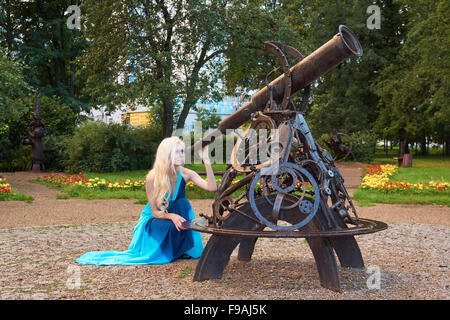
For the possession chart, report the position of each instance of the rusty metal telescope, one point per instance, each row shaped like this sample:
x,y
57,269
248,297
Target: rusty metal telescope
x,y
292,187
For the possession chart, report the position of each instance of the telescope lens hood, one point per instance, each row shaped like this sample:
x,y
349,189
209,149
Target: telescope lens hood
x,y
350,40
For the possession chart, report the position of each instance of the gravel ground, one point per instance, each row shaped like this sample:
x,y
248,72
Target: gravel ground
x,y
39,263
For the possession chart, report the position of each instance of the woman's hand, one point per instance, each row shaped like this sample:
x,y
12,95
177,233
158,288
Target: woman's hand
x,y
177,221
204,154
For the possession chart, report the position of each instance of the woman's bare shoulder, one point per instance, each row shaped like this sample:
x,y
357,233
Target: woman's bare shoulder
x,y
187,173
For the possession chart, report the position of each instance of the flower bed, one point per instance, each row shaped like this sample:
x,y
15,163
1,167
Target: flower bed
x,y
5,188
96,183
378,178
190,186
7,193
78,185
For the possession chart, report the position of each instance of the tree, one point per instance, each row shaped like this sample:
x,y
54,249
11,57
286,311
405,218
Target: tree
x,y
250,24
208,118
344,99
14,105
36,33
13,90
7,24
163,51
414,88
166,52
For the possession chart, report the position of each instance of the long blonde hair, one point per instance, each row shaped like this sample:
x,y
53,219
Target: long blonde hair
x,y
162,166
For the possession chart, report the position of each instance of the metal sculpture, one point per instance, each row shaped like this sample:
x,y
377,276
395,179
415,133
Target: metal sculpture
x,y
293,180
36,131
340,150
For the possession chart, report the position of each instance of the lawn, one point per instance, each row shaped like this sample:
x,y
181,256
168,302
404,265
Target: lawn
x,y
7,193
101,191
425,169
16,196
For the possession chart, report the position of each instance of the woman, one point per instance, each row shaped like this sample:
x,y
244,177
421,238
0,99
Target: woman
x,y
159,236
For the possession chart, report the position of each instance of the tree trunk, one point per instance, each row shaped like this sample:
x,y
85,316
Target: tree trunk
x,y
447,146
423,146
183,115
9,27
167,118
189,103
404,145
71,80
190,89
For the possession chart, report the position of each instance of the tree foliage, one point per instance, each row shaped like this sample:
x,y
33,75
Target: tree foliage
x,y
36,33
167,55
13,90
162,51
414,87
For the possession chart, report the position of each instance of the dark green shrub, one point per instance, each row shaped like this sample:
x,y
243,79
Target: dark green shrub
x,y
100,147
148,139
364,145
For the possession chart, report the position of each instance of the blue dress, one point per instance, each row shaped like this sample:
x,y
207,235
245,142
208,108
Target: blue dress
x,y
155,241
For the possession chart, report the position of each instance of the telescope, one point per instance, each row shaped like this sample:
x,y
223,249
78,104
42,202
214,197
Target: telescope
x,y
297,184
340,48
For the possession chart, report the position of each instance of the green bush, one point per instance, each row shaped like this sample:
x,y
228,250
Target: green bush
x,y
59,121
100,147
364,145
321,141
20,159
55,160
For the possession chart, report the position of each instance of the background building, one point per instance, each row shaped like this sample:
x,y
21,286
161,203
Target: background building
x,y
140,116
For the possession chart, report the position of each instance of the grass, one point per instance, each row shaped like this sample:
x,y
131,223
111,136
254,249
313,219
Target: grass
x,y
70,191
436,158
368,198
16,196
434,167
185,273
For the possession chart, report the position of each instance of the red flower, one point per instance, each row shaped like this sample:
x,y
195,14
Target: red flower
x,y
374,169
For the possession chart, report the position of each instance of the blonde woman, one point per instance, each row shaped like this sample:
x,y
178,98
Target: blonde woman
x,y
159,236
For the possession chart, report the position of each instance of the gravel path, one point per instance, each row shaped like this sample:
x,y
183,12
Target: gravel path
x,y
39,243
38,263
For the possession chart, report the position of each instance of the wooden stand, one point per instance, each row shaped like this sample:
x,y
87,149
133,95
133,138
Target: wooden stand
x,y
217,252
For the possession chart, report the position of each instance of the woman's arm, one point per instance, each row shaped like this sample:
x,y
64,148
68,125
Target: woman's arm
x,y
175,218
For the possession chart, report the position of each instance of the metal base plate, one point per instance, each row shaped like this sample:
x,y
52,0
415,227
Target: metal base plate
x,y
365,226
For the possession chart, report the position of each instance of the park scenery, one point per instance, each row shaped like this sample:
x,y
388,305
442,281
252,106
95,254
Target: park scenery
x,y
89,89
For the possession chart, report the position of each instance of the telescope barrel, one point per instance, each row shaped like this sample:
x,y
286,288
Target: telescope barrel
x,y
341,47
